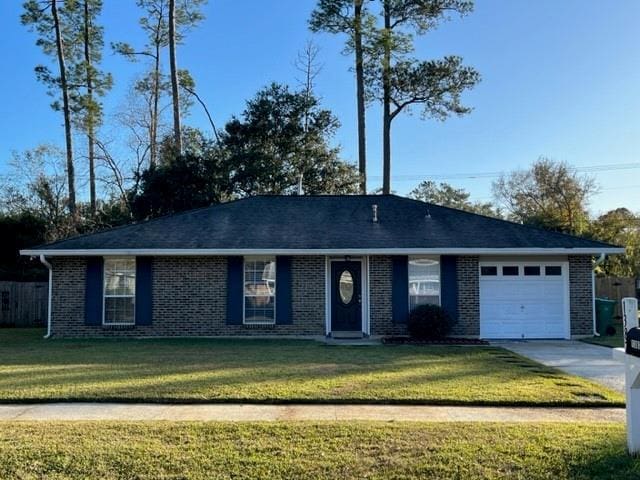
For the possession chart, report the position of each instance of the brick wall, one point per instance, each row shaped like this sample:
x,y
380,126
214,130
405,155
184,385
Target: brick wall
x,y
67,299
380,276
189,299
380,309
581,295
468,324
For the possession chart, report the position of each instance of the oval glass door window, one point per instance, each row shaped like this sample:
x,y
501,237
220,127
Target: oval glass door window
x,y
346,287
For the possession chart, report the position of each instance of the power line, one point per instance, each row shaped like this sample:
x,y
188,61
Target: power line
x,y
621,187
496,174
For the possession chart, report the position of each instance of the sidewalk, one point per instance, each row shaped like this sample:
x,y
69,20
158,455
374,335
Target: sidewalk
x,y
252,413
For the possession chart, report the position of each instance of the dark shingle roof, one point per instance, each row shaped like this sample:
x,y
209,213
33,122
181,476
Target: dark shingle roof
x,y
323,222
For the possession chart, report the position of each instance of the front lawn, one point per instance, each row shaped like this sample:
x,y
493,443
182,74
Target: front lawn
x,y
611,341
204,370
314,450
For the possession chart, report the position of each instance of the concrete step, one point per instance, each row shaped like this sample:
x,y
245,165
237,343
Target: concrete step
x,y
340,335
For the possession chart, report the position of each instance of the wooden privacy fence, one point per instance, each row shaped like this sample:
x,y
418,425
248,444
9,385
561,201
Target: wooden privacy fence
x,y
615,288
23,304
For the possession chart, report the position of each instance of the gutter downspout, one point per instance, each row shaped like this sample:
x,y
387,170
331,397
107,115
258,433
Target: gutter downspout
x,y
600,259
44,261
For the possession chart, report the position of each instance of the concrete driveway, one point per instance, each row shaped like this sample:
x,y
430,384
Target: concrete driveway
x,y
578,358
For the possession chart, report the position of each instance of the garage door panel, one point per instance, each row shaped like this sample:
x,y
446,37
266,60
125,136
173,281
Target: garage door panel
x,y
523,306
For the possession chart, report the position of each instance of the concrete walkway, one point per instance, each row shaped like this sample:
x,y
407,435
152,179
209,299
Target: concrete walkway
x,y
245,412
578,358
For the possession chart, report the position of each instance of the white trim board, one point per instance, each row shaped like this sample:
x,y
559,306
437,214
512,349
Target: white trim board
x,y
318,251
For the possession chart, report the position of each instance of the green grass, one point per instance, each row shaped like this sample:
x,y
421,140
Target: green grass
x,y
272,371
314,450
611,341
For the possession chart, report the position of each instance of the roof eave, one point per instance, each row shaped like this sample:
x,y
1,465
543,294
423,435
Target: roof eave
x,y
320,251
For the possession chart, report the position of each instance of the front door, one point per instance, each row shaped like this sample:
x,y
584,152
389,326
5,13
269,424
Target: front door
x,y
346,297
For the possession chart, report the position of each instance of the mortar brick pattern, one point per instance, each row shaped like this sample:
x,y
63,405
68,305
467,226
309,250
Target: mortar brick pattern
x,y
380,277
189,299
468,272
581,294
380,308
67,299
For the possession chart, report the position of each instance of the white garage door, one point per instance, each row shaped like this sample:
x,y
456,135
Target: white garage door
x,y
524,300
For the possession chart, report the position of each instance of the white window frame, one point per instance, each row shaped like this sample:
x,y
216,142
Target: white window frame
x,y
265,258
425,257
105,296
564,269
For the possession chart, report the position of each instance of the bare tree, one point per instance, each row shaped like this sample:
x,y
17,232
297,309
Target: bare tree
x,y
188,85
38,185
156,23
309,67
120,165
120,176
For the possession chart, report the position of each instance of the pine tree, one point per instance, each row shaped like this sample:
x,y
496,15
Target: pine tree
x,y
155,22
44,17
90,82
349,17
399,81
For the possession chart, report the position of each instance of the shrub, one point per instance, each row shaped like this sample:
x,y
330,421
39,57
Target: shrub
x,y
429,322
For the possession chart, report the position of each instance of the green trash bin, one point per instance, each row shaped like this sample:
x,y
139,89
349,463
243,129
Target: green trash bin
x,y
604,315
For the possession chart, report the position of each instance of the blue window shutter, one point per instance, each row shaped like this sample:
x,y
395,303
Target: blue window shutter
x,y
93,291
400,289
235,290
144,290
449,285
283,291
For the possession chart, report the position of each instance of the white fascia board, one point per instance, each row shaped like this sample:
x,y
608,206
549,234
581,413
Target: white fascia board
x,y
332,251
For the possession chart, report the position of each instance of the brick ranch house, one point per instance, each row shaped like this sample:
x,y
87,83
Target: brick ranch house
x,y
317,266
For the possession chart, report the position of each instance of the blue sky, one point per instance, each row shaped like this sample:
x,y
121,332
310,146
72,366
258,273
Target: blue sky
x,y
561,78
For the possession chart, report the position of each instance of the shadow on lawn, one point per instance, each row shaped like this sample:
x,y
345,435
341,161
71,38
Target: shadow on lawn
x,y
272,371
609,460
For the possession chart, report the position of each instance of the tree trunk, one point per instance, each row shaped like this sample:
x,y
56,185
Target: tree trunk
x,y
386,103
177,130
362,144
90,119
153,134
65,108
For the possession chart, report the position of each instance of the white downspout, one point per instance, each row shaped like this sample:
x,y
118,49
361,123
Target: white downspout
x,y
600,259
43,260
